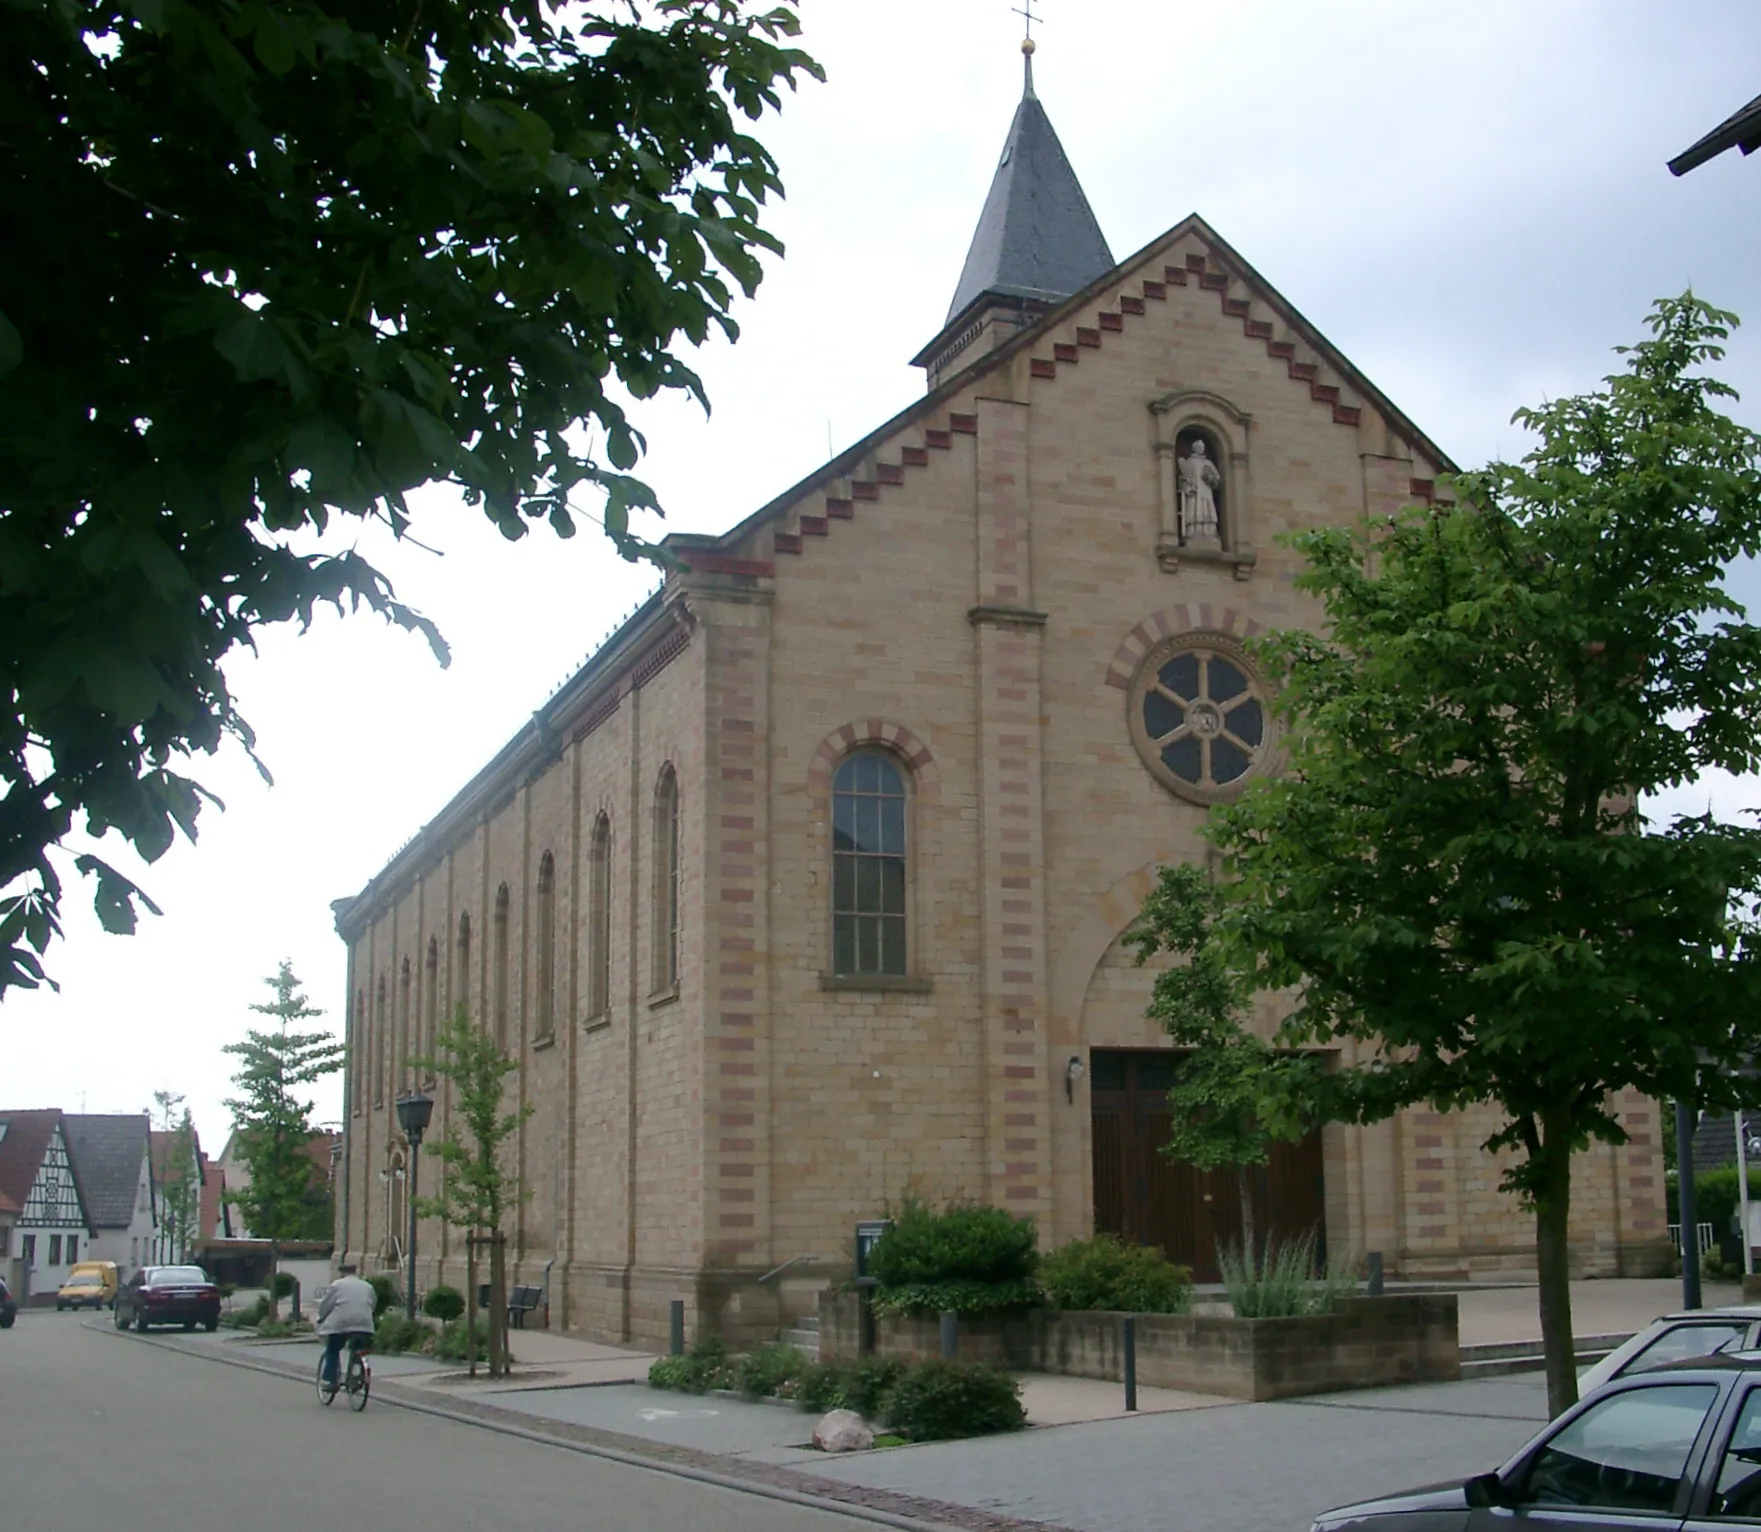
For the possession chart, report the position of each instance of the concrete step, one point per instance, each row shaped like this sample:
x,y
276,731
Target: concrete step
x,y
1498,1359
803,1339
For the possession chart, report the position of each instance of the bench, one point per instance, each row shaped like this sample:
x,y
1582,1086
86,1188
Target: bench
x,y
521,1302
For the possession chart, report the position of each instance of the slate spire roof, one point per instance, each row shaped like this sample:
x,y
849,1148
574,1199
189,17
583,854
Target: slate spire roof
x,y
1037,237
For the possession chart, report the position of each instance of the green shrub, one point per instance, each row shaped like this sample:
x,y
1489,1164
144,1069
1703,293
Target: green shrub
x,y
862,1385
771,1372
250,1316
703,1367
397,1332
1283,1282
227,1289
963,1244
283,1284
962,1297
937,1401
1106,1273
1715,1197
444,1303
449,1344
384,1293
280,1329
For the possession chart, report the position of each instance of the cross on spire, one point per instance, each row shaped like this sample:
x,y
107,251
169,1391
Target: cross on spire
x,y
1026,9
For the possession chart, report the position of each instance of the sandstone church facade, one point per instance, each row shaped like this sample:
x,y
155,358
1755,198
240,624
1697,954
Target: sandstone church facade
x,y
808,889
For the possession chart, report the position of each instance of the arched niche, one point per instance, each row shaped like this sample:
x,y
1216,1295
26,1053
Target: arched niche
x,y
1202,443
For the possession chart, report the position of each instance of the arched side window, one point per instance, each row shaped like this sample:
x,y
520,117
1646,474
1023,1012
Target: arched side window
x,y
868,867
461,995
499,992
405,1017
546,954
599,919
358,1052
664,932
381,1043
431,1004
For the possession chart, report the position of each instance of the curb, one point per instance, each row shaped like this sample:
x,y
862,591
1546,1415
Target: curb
x,y
950,1518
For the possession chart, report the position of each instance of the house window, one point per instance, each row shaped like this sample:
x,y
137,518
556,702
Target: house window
x,y
546,945
665,932
381,1043
54,1249
868,867
431,1002
599,919
500,938
462,951
401,1065
72,1248
30,1250
358,1055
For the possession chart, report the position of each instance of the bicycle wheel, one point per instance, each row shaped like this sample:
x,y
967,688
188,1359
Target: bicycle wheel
x,y
359,1381
326,1386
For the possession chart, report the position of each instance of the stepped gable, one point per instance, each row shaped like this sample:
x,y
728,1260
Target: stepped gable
x,y
1164,271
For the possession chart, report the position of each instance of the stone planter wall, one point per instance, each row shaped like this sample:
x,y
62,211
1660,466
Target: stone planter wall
x,y
1364,1343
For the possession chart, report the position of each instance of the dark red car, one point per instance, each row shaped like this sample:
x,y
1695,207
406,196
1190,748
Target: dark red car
x,y
168,1295
8,1309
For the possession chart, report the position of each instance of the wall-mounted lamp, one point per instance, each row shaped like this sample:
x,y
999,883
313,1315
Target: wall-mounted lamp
x,y
1072,1073
1378,1066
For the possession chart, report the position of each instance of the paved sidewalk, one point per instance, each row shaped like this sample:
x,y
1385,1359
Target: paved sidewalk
x,y
1611,1307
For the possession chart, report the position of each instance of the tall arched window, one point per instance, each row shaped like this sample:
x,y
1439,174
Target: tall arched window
x,y
381,1042
461,995
664,934
599,919
499,977
405,1016
868,867
359,1053
431,1004
546,1007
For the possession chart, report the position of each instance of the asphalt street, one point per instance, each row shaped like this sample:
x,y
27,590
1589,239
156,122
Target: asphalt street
x,y
100,1430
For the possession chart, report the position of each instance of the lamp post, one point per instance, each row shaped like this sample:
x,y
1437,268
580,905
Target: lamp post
x,y
413,1113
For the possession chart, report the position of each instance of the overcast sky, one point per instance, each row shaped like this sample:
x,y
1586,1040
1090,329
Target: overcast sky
x,y
1468,197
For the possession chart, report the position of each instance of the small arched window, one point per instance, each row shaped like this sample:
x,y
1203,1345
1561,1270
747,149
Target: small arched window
x,y
381,1042
665,932
868,867
431,1004
461,995
546,945
599,919
405,1041
359,1053
498,1000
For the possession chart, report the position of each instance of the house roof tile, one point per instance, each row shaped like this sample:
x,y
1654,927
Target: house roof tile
x,y
106,1152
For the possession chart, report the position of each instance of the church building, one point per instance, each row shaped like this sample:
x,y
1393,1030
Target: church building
x,y
807,891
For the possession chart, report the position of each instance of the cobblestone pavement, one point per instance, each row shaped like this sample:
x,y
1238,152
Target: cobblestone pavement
x,y
1250,1468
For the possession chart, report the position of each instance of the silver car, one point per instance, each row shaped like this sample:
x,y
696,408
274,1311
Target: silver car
x,y
1678,1338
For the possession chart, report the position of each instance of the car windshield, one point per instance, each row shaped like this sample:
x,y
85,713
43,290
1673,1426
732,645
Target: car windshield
x,y
170,1276
85,1279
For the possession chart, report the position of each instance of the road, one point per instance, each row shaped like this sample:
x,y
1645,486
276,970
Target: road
x,y
98,1429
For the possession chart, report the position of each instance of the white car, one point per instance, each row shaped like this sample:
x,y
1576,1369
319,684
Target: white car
x,y
1678,1338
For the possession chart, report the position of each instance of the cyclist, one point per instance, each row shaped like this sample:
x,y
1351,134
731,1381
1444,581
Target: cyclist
x,y
345,1317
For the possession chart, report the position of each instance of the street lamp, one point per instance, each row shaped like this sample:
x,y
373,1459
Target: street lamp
x,y
413,1112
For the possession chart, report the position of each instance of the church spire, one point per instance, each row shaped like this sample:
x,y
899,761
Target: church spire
x,y
1037,240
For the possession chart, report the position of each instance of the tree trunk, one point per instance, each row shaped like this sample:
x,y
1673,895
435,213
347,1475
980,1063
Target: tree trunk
x,y
498,1304
1552,1195
274,1271
471,1303
1244,1191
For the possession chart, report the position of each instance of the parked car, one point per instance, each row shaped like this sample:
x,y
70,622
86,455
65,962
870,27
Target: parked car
x,y
168,1295
89,1285
1679,1338
8,1307
1651,1450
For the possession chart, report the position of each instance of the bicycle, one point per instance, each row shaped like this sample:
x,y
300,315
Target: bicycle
x,y
356,1380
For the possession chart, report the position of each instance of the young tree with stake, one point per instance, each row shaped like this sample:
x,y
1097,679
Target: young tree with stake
x,y
1455,877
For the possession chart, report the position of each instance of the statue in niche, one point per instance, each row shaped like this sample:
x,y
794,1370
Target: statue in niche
x,y
1201,487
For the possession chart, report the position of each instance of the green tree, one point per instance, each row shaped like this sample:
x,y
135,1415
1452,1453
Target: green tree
x,y
326,252
273,1119
475,1188
1219,1100
180,1193
1454,878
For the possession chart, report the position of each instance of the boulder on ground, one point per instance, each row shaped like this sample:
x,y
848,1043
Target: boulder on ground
x,y
842,1431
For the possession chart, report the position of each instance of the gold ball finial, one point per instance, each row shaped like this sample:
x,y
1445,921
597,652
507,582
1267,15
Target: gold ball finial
x,y
1028,45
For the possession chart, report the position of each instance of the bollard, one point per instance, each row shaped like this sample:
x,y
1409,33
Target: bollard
x,y
676,1324
1130,1365
296,1301
950,1335
1374,1262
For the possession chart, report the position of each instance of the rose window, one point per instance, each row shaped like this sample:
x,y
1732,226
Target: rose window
x,y
1198,716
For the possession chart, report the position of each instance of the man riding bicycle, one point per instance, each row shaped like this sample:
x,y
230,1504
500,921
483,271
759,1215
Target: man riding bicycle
x,y
345,1318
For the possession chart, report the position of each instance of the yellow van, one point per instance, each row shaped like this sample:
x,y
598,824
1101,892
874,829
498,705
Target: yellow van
x,y
89,1285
